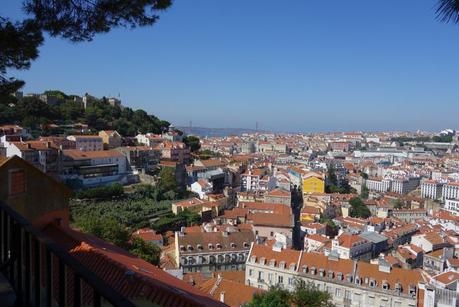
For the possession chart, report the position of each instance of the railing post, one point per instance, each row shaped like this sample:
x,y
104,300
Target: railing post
x,y
76,290
11,249
27,270
19,257
49,285
96,299
37,276
62,283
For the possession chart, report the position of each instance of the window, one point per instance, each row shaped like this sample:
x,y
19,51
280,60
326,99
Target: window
x,y
270,276
272,233
371,300
338,292
290,280
17,182
260,275
250,272
280,279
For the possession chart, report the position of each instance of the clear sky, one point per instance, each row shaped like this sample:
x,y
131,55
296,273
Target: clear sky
x,y
290,65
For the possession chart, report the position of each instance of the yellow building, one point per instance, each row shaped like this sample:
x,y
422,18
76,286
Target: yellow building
x,y
313,184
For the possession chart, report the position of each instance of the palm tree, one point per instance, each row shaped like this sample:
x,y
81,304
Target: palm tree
x,y
448,11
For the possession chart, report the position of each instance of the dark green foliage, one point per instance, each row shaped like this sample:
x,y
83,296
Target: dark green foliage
x,y
107,229
19,44
192,142
332,183
104,192
275,297
147,251
443,138
358,208
304,295
31,112
110,230
307,295
174,222
365,192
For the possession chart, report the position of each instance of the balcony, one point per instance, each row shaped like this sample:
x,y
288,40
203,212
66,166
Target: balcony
x,y
38,272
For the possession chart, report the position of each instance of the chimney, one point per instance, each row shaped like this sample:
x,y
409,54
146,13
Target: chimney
x,y
222,296
28,146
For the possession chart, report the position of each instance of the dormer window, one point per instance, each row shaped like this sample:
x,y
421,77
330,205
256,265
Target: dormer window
x,y
272,263
253,259
262,260
200,247
189,247
321,272
233,245
210,246
245,244
313,271
358,281
398,287
182,248
305,269
372,283
348,277
330,274
385,285
339,276
292,267
282,265
219,246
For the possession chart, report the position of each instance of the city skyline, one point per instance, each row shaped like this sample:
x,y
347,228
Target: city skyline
x,y
307,67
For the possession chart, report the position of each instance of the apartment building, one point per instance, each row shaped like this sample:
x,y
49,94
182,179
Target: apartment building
x,y
378,184
141,158
212,251
278,196
87,142
350,283
352,246
452,205
450,190
410,215
110,138
404,185
92,168
431,189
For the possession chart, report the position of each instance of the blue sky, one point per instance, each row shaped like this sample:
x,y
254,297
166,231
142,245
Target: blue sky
x,y
290,65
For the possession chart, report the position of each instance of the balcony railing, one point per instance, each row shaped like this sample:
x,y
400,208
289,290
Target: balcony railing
x,y
35,280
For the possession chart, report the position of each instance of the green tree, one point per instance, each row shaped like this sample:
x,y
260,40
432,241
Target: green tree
x,y
192,142
365,192
275,297
304,295
167,180
107,229
358,208
147,251
307,295
448,10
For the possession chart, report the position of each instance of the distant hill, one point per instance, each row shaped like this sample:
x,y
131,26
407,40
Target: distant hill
x,y
55,108
216,132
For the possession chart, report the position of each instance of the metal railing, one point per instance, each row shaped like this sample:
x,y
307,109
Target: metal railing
x,y
34,279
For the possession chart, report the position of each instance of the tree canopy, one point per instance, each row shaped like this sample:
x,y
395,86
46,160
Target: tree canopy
x,y
358,208
304,295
